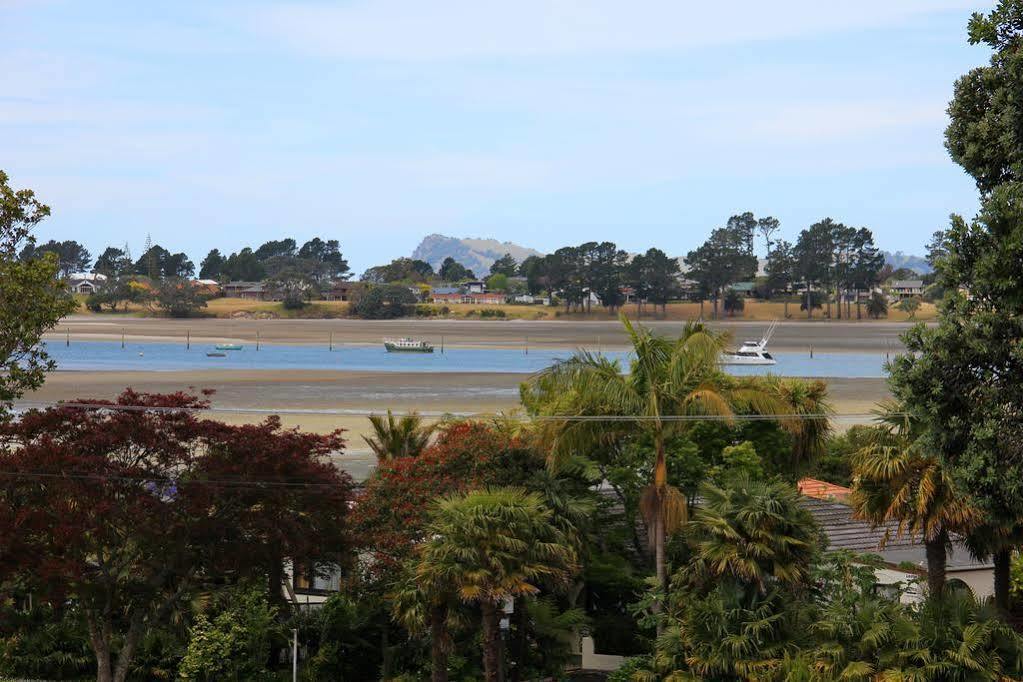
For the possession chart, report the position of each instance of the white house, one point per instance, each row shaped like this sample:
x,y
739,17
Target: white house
x,y
85,282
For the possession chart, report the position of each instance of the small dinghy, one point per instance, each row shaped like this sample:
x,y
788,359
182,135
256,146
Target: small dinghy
x,y
216,355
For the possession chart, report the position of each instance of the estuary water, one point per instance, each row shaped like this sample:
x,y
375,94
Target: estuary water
x,y
164,357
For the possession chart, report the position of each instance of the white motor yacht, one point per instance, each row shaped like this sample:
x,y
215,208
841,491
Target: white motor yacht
x,y
752,352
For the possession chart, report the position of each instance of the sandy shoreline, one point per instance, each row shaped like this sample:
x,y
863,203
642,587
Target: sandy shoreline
x,y
791,336
341,399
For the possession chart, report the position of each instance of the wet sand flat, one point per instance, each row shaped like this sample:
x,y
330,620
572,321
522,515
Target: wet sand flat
x,y
791,336
342,399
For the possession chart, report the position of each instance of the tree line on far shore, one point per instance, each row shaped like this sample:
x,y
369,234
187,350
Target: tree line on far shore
x,y
829,263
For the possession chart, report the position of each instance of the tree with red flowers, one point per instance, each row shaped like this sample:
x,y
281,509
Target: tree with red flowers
x,y
393,509
127,507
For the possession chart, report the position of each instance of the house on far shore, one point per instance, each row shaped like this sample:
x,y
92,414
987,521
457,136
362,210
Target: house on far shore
x,y
341,291
210,287
904,558
256,292
234,289
446,295
906,288
470,292
744,289
85,283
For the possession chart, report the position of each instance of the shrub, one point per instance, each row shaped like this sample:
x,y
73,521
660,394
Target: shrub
x,y
630,667
491,312
179,298
233,644
426,310
734,302
383,302
877,306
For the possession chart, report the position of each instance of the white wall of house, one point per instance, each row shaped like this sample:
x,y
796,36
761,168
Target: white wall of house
x,y
981,581
594,661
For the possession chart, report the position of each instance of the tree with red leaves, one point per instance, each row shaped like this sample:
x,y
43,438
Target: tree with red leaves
x,y
393,512
393,509
127,507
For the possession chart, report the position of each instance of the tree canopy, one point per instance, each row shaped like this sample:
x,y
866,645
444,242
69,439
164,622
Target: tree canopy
x,y
32,299
130,510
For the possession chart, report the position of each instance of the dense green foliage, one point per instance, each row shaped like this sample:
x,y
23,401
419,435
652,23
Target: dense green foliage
x,y
32,299
179,298
385,301
233,644
961,378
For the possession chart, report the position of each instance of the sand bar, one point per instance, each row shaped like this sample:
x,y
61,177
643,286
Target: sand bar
x,y
791,336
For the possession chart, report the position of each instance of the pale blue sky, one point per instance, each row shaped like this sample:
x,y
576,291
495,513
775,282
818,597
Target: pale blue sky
x,y
544,122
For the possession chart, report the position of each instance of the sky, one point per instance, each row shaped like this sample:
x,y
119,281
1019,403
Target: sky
x,y
543,122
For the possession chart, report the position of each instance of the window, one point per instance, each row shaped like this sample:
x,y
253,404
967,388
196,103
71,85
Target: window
x,y
323,579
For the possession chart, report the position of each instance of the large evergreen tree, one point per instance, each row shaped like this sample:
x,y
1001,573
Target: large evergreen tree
x,y
212,266
32,300
113,262
961,378
725,258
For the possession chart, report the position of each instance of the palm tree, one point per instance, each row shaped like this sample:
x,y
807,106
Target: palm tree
x,y
738,608
755,533
393,439
418,605
896,479
668,380
489,546
809,425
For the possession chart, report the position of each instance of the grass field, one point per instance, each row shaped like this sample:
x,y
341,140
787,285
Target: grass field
x,y
754,311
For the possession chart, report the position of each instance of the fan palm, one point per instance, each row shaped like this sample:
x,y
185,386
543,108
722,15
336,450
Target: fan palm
x,y
754,532
668,380
806,400
739,607
489,546
896,479
419,605
393,438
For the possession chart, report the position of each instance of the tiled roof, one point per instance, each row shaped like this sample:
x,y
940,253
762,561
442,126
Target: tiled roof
x,y
823,490
845,532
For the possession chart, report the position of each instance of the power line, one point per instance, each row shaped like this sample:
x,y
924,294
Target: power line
x,y
115,407
241,483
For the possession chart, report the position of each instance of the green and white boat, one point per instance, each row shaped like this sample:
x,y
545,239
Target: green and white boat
x,y
228,346
407,345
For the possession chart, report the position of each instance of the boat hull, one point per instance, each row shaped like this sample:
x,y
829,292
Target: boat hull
x,y
228,346
398,349
736,360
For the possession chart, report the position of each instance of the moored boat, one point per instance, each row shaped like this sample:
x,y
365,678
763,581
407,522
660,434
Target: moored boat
x,y
228,346
407,345
751,352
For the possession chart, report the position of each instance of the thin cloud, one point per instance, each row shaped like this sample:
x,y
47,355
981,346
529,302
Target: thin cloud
x,y
456,29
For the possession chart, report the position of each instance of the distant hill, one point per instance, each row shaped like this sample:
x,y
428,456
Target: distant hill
x,y
476,254
904,260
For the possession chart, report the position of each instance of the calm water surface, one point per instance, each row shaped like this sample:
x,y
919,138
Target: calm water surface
x,y
153,356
